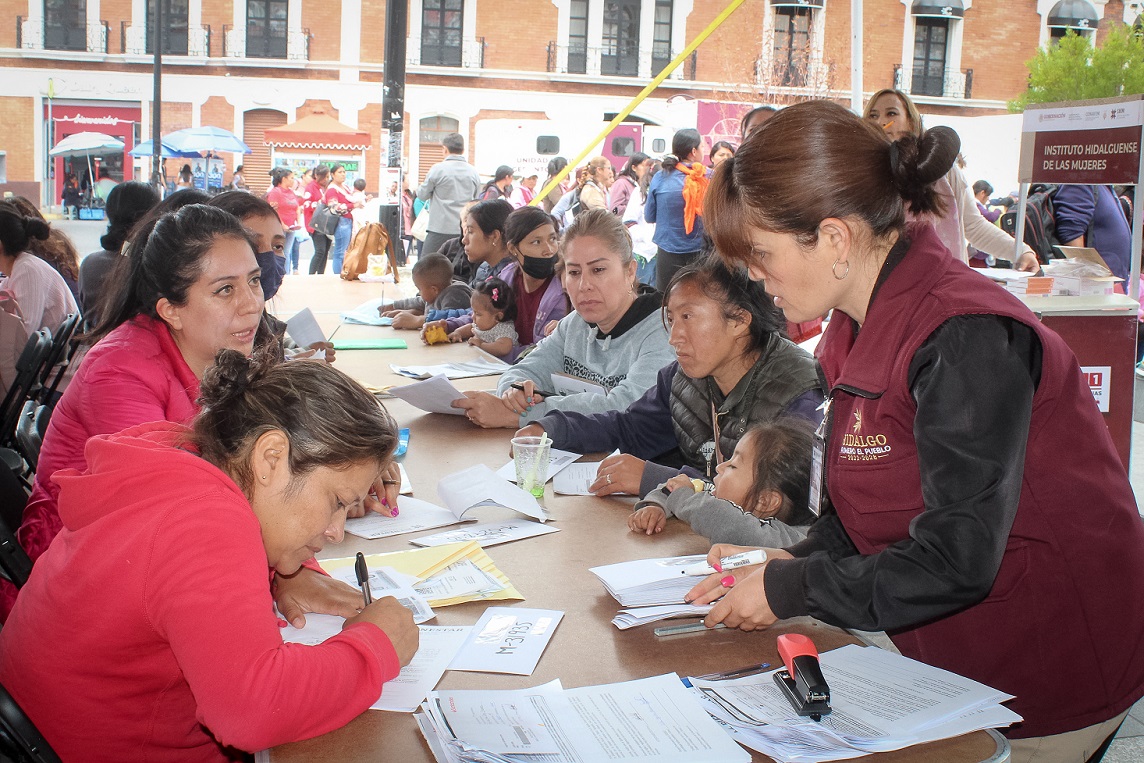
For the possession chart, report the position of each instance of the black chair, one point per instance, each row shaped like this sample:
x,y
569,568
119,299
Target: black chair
x,y
15,565
30,430
29,367
20,741
59,355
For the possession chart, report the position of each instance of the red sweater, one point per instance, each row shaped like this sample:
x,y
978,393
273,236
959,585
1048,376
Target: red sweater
x,y
153,611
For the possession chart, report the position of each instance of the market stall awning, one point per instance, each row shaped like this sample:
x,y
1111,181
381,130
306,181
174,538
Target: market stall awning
x,y
318,131
1073,14
939,8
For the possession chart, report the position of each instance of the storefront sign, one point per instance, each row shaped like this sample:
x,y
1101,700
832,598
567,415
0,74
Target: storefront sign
x,y
1098,378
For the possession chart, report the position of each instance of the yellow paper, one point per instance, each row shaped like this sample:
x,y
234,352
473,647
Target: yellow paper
x,y
426,562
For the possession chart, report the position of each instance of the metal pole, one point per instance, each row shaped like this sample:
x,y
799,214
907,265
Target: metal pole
x,y
49,181
1019,234
856,56
157,102
393,108
651,86
1137,229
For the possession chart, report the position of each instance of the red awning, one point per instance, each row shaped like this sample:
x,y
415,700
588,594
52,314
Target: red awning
x,y
317,131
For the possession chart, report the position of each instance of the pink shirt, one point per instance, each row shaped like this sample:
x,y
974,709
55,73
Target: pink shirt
x,y
286,204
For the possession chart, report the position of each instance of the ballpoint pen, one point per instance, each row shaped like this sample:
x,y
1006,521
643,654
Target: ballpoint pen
x,y
363,578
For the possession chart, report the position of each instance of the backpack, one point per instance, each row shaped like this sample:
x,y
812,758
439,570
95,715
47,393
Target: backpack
x,y
371,239
1040,224
576,207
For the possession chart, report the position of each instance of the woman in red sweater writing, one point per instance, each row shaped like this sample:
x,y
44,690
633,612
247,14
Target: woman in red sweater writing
x,y
153,605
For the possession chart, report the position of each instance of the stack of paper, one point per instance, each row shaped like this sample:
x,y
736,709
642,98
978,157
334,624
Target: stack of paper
x,y
633,616
880,701
652,720
434,569
482,366
648,582
487,533
1040,286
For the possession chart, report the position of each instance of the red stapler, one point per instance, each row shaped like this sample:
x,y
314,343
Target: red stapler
x,y
802,681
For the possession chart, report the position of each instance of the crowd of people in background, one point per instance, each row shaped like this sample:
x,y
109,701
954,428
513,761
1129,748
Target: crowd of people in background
x,y
672,292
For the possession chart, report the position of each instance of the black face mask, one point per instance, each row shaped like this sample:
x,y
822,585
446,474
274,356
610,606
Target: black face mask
x,y
539,267
273,271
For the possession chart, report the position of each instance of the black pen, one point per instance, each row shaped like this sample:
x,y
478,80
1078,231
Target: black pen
x,y
541,392
363,578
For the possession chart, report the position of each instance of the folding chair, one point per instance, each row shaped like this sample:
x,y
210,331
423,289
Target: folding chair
x,y
29,366
20,741
30,430
59,355
15,565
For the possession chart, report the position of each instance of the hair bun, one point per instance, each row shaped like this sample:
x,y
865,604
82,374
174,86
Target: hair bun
x,y
917,163
231,376
36,228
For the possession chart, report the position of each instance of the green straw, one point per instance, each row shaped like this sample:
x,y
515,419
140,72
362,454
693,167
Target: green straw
x,y
536,466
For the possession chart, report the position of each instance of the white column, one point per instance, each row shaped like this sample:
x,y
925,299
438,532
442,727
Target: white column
x,y
294,37
680,10
563,27
350,51
595,35
647,35
94,35
908,43
413,44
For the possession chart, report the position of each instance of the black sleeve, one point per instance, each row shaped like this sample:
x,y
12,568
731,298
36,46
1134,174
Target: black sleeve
x,y
973,382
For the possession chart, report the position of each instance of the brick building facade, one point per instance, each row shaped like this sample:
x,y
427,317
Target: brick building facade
x,y
250,65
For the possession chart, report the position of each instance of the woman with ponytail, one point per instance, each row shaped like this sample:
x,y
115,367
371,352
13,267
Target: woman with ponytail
x,y
674,204
154,609
948,515
33,290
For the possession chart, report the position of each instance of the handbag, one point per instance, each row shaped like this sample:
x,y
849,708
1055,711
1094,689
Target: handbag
x,y
324,220
420,227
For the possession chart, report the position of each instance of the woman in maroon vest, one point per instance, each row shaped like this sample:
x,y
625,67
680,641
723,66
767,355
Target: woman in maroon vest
x,y
973,504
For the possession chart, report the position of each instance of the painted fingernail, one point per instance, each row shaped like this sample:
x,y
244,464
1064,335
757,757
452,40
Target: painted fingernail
x,y
718,567
396,511
728,581
687,600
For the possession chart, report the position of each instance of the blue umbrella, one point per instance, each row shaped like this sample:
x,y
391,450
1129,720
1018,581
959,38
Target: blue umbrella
x,y
206,139
144,150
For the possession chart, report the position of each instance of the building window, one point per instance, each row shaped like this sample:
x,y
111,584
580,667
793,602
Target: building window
x,y
65,24
930,36
661,38
266,28
430,132
441,22
1076,15
175,27
547,145
792,46
621,40
578,37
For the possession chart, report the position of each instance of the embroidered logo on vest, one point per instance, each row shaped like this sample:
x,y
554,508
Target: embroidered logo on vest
x,y
859,447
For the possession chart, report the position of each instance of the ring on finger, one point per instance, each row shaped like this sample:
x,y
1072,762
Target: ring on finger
x,y
608,478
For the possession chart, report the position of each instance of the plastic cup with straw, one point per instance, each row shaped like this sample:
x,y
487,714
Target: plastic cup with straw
x,y
530,454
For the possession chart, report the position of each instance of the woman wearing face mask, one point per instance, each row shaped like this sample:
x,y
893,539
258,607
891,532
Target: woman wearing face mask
x,y
897,116
154,608
615,338
534,273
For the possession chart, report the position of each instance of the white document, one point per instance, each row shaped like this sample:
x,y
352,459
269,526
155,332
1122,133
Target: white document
x,y
413,516
487,533
461,578
480,486
648,582
575,479
366,314
633,616
508,640
436,649
433,395
406,487
318,628
651,720
570,385
466,369
386,581
303,328
557,461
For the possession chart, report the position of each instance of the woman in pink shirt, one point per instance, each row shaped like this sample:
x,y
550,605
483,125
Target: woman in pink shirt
x,y
340,199
286,202
153,607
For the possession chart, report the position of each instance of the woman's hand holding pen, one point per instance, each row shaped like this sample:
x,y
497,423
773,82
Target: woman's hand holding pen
x,y
521,396
741,594
394,620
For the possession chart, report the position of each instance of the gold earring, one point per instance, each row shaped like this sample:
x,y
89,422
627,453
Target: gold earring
x,y
833,269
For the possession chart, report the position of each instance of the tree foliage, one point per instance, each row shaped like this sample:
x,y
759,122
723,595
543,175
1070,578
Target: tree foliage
x,y
1075,70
